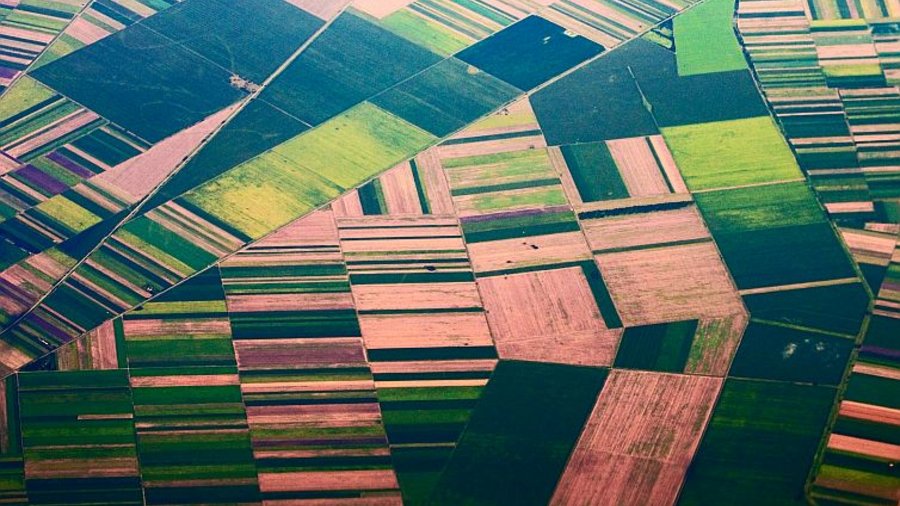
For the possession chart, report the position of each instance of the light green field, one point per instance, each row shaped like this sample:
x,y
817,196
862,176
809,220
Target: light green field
x,y
431,35
68,213
309,170
263,194
705,40
739,152
25,93
356,145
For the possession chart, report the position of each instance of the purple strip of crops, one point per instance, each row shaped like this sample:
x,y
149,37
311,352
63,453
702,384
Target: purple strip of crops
x,y
514,214
880,351
36,177
6,72
69,165
13,292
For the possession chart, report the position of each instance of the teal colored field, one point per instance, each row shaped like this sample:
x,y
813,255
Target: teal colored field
x,y
731,153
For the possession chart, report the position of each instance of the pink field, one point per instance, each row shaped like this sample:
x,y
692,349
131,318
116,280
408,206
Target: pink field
x,y
639,440
547,316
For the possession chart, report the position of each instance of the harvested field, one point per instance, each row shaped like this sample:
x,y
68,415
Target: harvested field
x,y
669,284
639,167
547,316
139,175
639,439
434,330
528,251
380,8
645,229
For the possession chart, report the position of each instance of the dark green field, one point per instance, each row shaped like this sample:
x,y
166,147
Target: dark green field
x,y
520,434
662,347
352,61
142,81
249,38
784,354
594,172
759,444
446,97
838,308
599,101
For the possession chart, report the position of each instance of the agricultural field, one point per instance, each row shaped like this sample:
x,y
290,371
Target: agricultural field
x,y
441,252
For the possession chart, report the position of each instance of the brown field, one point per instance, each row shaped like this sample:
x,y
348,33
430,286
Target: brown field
x,y
185,381
637,165
317,415
348,206
547,316
669,168
669,284
715,343
289,302
316,228
413,366
644,229
558,161
416,296
52,132
490,147
517,118
639,439
12,358
870,413
153,327
111,467
425,330
276,387
876,370
868,246
400,194
875,449
314,481
435,182
528,251
138,176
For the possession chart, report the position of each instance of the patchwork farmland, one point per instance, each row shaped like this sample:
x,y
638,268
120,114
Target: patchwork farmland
x,y
379,252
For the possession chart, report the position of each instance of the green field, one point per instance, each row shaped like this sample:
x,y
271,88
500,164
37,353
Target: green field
x,y
759,444
663,347
705,40
594,172
446,97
